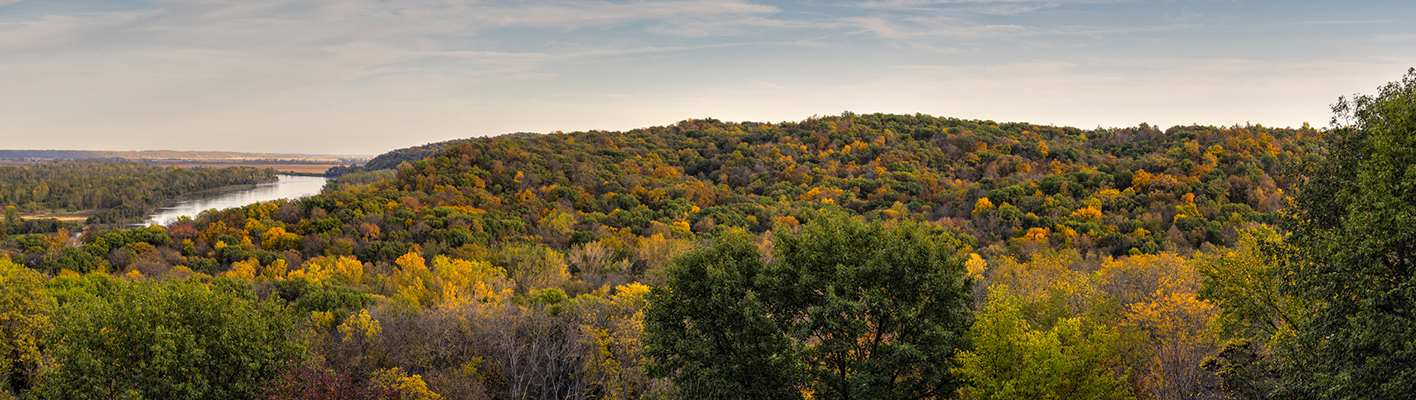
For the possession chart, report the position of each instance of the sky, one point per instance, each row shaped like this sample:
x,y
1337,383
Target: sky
x,y
361,77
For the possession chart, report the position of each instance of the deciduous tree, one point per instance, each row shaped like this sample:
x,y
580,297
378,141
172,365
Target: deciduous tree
x,y
1355,235
178,339
25,310
710,329
1011,359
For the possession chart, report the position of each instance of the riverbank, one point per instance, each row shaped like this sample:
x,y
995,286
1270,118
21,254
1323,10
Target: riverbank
x,y
286,186
82,216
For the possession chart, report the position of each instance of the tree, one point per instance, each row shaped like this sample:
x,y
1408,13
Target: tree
x,y
1354,235
710,329
314,381
1246,283
1013,360
877,311
25,310
845,310
178,339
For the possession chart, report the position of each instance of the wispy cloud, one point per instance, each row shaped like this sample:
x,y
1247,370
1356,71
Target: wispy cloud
x,y
313,42
978,6
926,20
267,24
252,73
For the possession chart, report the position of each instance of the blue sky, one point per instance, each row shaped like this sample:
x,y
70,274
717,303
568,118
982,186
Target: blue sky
x,y
367,76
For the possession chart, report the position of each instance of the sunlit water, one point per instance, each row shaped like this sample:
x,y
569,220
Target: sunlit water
x,y
288,187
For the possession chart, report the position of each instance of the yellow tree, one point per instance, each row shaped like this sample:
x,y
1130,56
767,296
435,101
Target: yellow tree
x,y
1049,284
614,363
411,279
25,308
408,386
345,269
1159,293
1245,282
460,281
1255,315
245,270
982,205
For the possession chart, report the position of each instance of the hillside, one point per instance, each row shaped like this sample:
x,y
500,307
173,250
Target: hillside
x,y
542,251
1117,188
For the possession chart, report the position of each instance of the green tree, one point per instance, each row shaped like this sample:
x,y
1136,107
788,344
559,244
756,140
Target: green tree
x,y
12,218
1246,283
1354,234
178,339
878,311
710,330
1013,360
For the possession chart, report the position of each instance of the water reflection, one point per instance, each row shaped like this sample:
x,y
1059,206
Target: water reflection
x,y
288,187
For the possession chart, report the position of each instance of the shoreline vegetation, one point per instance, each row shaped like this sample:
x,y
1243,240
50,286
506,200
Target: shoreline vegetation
x,y
47,196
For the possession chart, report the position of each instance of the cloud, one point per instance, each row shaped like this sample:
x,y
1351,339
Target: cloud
x,y
574,15
282,24
920,27
363,76
281,44
1003,7
266,69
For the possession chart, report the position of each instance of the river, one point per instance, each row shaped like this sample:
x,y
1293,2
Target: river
x,y
288,187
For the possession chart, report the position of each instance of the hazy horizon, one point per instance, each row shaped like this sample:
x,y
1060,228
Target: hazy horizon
x,y
364,77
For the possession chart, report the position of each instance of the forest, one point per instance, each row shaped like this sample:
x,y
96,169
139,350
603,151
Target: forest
x,y
849,256
112,191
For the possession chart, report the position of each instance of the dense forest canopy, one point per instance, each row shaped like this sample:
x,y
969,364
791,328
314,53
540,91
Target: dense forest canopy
x,y
706,172
894,256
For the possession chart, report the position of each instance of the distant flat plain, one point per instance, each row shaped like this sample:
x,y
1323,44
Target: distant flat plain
x,y
289,168
300,164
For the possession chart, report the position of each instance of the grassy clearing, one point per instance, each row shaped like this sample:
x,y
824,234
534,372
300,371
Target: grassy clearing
x,y
62,216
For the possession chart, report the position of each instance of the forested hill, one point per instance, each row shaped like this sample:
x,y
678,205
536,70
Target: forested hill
x,y
1135,190
390,160
1114,189
973,259
541,266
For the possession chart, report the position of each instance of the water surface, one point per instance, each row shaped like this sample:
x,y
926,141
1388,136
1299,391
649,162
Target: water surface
x,y
288,187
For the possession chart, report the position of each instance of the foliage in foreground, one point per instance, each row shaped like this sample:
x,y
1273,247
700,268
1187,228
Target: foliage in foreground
x,y
1014,360
185,339
844,309
1354,258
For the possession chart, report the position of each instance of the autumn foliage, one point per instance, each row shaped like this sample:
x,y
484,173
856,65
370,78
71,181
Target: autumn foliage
x,y
833,257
